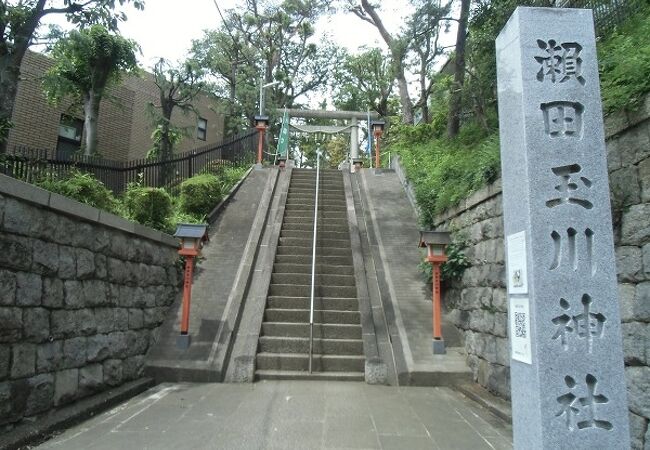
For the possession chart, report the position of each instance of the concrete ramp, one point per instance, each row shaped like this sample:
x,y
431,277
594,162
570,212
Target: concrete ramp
x,y
392,234
220,283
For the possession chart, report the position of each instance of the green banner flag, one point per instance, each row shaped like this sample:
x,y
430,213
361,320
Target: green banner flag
x,y
283,141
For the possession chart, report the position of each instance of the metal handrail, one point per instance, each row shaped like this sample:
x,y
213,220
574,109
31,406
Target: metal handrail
x,y
313,265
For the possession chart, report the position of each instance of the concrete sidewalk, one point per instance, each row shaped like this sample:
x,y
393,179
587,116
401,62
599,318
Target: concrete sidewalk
x,y
290,414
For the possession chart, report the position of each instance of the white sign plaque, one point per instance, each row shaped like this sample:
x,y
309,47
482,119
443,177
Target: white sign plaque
x,y
517,273
520,330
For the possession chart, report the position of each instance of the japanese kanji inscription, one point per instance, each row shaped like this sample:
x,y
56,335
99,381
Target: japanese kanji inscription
x,y
568,391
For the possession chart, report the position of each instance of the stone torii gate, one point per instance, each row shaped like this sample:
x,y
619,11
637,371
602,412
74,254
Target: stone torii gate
x,y
352,116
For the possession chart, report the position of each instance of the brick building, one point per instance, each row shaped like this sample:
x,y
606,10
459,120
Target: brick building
x,y
124,128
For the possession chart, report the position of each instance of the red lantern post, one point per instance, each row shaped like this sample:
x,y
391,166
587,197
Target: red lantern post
x,y
377,131
435,243
261,124
192,237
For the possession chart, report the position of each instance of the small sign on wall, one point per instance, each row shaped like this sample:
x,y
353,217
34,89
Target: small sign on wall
x,y
517,273
520,329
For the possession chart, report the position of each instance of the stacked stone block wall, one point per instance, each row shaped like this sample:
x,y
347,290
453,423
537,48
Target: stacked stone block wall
x,y
477,303
82,294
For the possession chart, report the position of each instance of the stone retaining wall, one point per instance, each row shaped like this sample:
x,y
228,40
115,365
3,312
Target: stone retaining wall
x,y
477,303
82,293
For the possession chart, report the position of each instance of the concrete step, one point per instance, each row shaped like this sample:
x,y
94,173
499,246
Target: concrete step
x,y
307,232
321,269
320,303
320,242
301,191
323,226
345,260
308,215
324,203
321,363
320,316
300,375
320,251
321,207
323,331
304,290
276,344
322,186
310,195
324,280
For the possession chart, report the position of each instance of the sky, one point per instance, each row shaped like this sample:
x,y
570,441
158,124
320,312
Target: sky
x,y
166,28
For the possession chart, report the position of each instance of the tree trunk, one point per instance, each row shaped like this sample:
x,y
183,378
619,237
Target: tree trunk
x,y
9,76
405,99
91,114
455,102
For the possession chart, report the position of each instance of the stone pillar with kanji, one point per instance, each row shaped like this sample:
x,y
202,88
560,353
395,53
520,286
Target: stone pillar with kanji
x,y
567,371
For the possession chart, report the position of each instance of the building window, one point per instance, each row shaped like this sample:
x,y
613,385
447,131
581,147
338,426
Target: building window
x,y
202,129
69,140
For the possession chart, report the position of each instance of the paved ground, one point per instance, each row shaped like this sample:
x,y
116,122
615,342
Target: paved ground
x,y
283,414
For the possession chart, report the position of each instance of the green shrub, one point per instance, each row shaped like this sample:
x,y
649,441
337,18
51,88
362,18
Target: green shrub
x,y
200,194
84,188
444,172
625,64
149,206
230,176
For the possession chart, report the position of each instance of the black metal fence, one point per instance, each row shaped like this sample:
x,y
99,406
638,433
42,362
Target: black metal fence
x,y
608,14
32,165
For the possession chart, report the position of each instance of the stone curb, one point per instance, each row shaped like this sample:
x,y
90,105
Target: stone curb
x,y
61,204
489,401
376,370
41,429
241,361
212,215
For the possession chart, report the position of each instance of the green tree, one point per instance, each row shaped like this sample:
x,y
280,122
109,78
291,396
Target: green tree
x,y
178,86
18,29
364,81
336,150
275,39
455,100
423,31
86,62
398,47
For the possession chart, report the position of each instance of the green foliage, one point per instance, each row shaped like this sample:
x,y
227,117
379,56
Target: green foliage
x,y
624,58
175,136
149,206
84,188
88,60
230,176
444,172
200,194
456,263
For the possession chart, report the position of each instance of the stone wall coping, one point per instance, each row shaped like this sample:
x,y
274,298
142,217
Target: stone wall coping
x,y
64,205
482,195
619,121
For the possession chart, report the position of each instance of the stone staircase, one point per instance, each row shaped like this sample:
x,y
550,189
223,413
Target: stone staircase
x,y
283,349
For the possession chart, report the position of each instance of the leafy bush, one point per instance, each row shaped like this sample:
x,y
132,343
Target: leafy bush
x,y
625,64
230,176
444,172
149,206
200,194
84,188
